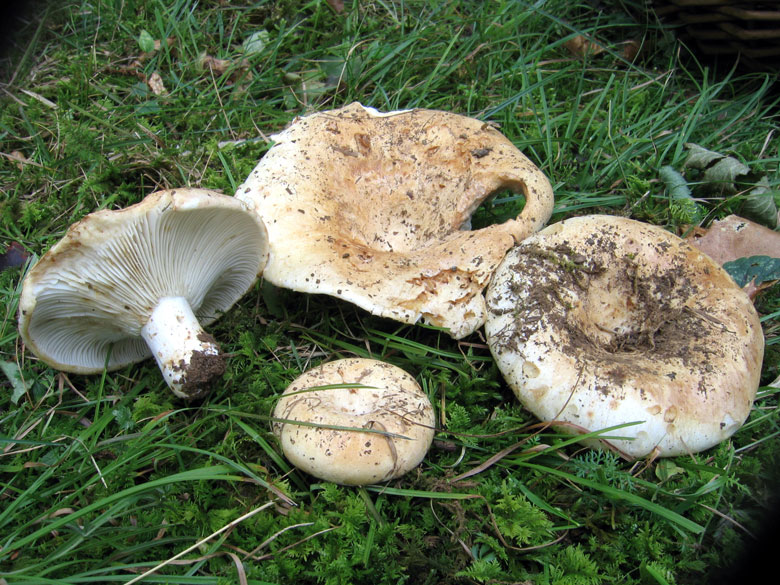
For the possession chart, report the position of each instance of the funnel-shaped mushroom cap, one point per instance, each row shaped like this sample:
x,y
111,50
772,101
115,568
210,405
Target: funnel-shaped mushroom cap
x,y
603,321
370,207
119,280
355,421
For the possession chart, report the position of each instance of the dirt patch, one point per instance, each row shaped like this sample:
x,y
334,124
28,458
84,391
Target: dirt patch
x,y
204,368
608,307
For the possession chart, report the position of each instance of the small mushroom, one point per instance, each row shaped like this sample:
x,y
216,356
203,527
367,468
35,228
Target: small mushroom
x,y
374,208
354,421
123,285
602,321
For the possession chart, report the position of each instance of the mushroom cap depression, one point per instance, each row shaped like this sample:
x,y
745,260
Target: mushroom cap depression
x,y
96,288
386,401
371,207
600,321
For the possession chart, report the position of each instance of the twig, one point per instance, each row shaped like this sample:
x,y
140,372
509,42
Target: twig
x,y
504,452
228,526
273,537
289,546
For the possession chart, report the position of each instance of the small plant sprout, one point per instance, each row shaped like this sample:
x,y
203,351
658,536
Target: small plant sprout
x,y
602,321
123,285
375,208
355,421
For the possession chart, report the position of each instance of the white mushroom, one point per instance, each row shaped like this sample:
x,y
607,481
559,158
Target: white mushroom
x,y
371,207
123,285
600,321
368,422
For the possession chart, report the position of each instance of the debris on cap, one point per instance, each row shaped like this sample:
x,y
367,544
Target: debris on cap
x,y
601,321
375,208
355,421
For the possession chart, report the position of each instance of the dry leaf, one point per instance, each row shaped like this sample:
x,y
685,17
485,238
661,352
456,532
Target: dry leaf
x,y
170,41
216,65
752,289
582,47
336,5
19,159
156,84
162,531
630,49
134,69
735,237
237,69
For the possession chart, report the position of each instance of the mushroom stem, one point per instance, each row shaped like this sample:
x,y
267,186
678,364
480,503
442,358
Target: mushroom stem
x,y
188,357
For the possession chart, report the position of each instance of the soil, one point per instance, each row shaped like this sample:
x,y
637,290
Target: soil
x,y
554,284
204,368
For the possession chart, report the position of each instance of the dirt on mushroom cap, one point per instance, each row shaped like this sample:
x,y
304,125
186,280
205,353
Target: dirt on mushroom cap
x,y
602,321
354,421
370,207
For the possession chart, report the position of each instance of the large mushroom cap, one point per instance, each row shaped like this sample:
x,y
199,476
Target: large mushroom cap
x,y
370,207
600,321
385,400
118,278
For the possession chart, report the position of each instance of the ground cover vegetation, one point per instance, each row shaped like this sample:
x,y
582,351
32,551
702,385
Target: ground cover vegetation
x,y
104,478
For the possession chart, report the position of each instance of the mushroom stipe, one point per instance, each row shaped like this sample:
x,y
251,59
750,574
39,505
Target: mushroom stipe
x,y
600,321
140,281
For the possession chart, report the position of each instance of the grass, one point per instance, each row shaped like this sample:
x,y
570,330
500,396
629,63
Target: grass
x,y
106,478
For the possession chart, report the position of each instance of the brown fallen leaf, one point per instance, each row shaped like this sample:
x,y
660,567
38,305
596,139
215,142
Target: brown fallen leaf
x,y
156,84
752,289
581,46
237,69
134,69
336,5
216,65
19,159
630,49
736,237
170,41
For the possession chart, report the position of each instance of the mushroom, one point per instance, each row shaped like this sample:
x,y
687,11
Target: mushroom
x,y
123,285
602,321
354,421
374,208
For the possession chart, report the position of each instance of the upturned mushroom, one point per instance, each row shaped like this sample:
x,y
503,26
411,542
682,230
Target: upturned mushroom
x,y
604,321
374,208
123,285
354,421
